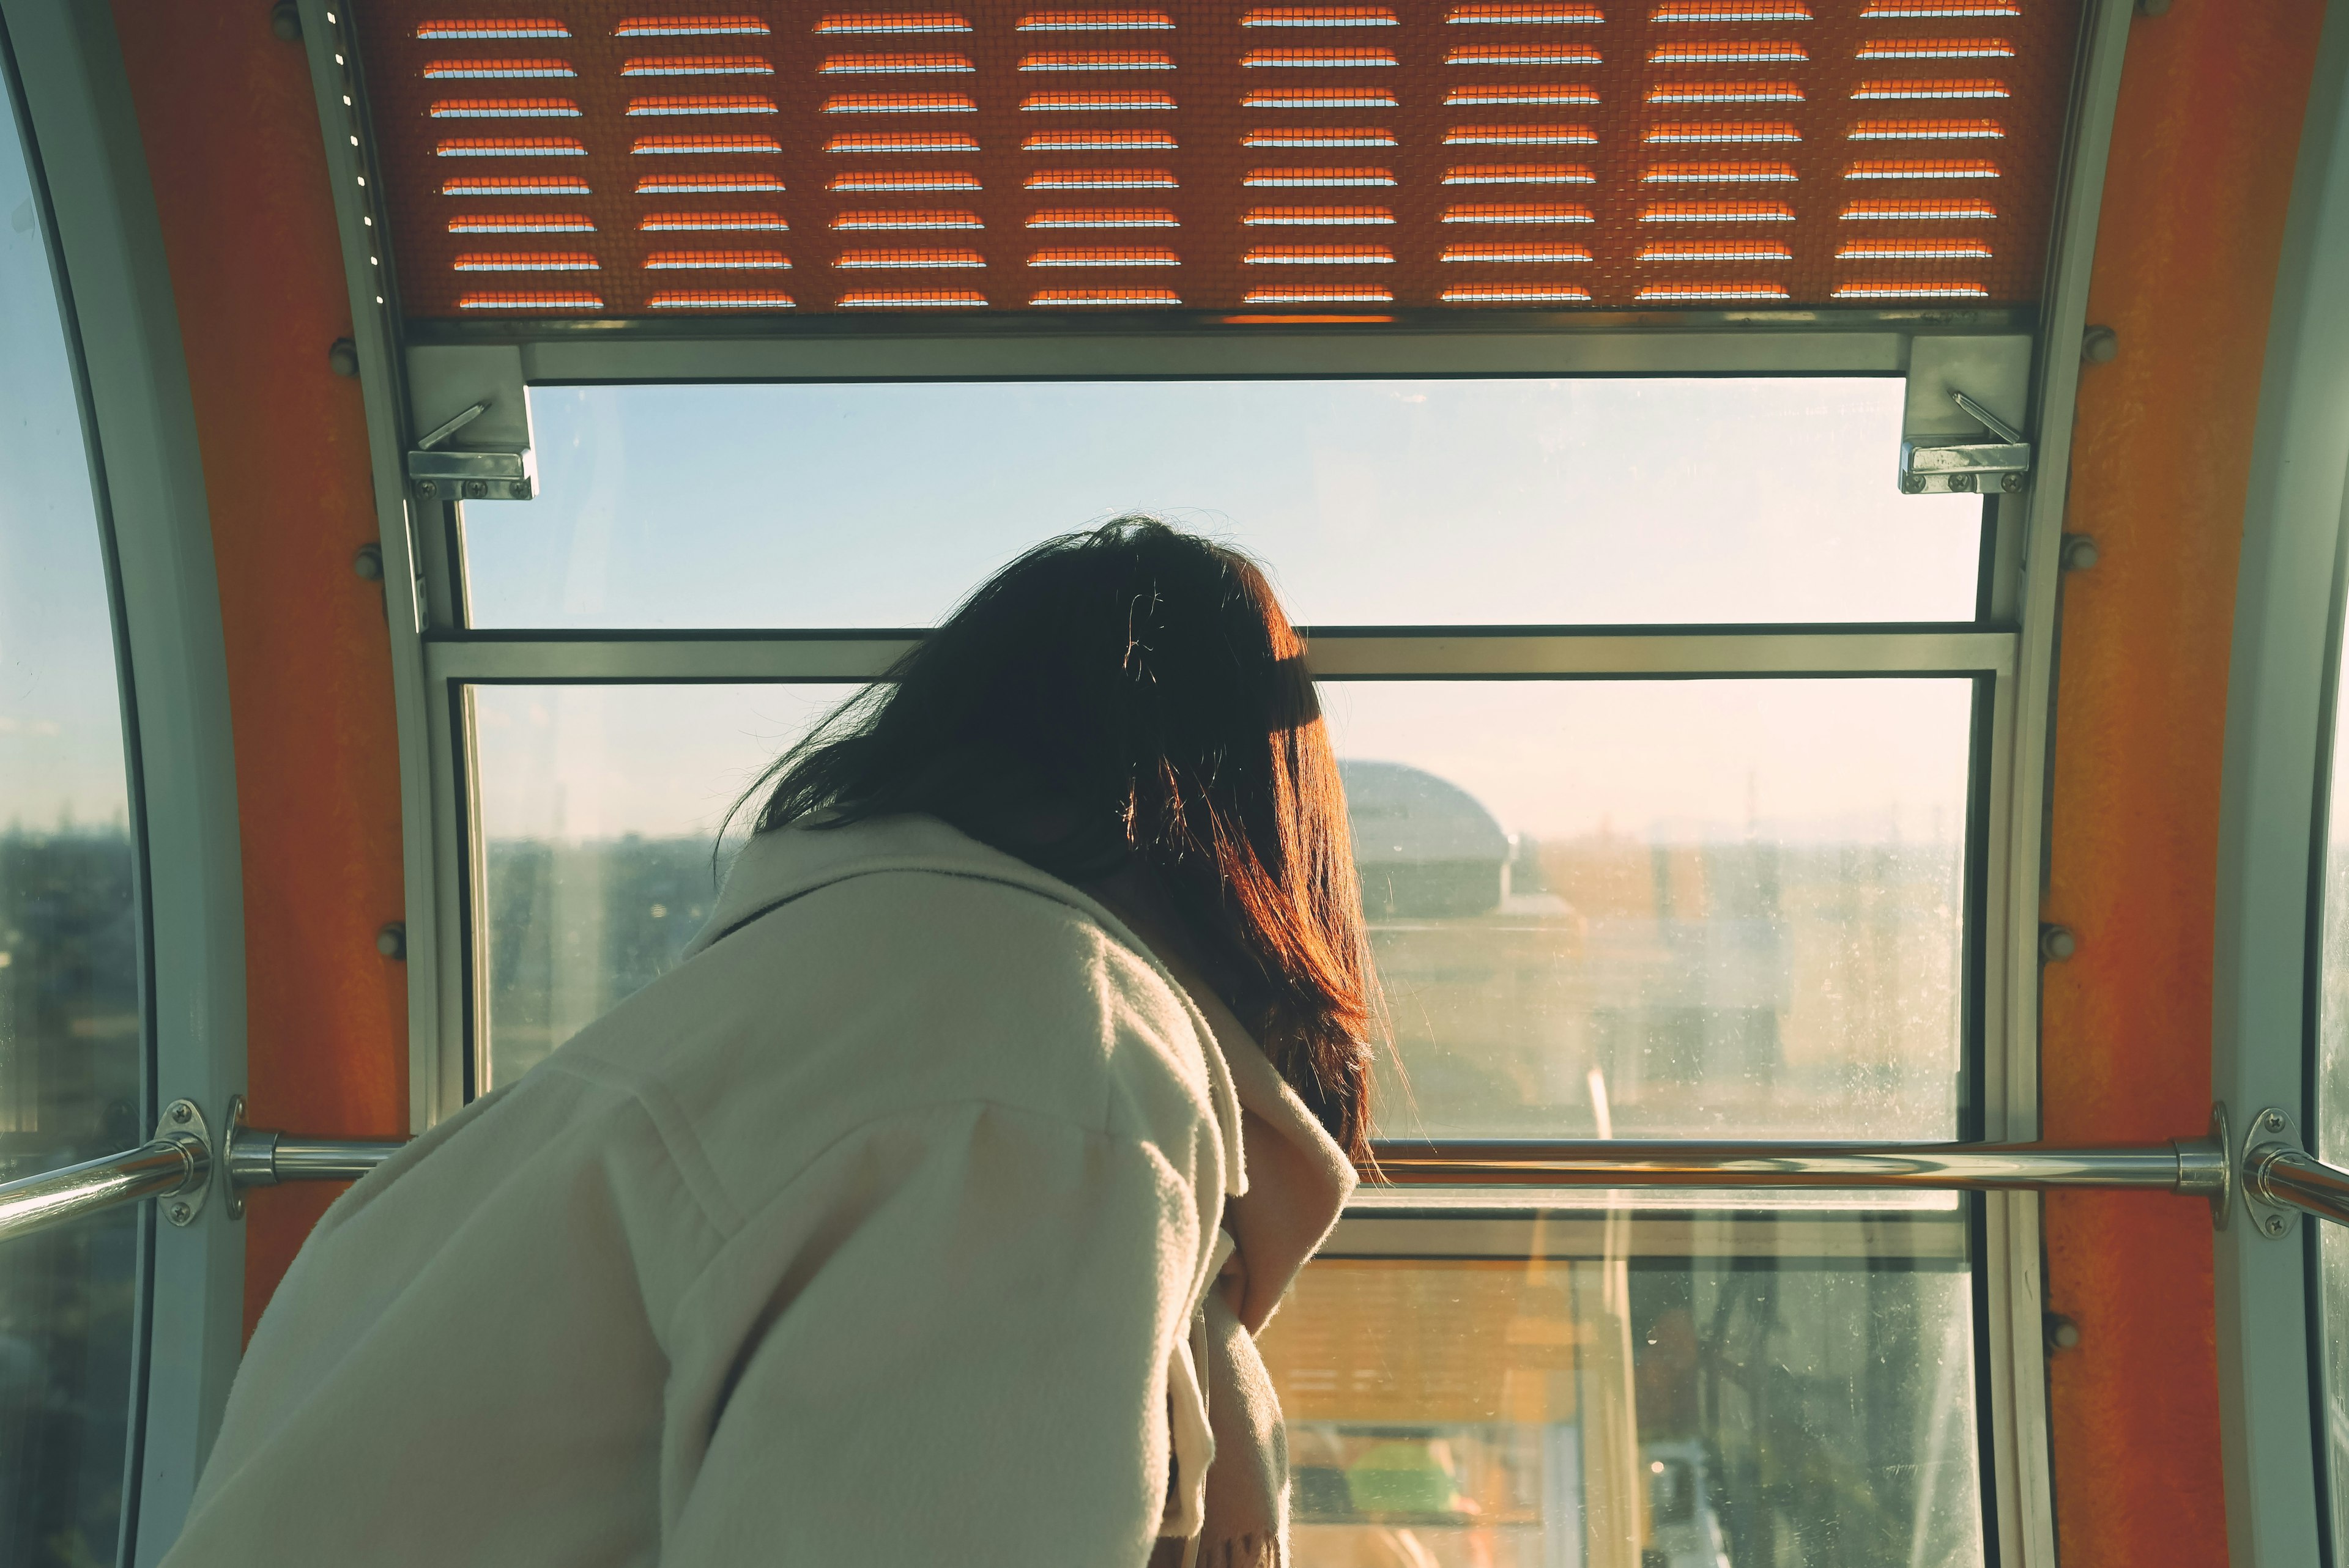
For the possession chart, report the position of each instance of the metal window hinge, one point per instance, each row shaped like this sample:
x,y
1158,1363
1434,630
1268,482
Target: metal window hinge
x,y
447,473
1939,468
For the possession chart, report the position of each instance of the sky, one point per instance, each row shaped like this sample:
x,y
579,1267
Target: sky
x,y
1372,502
1497,501
61,755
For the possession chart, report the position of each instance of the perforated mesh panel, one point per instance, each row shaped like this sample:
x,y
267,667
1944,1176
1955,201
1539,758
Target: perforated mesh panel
x,y
613,159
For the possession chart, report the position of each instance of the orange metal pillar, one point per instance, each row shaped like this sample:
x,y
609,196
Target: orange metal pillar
x,y
231,133
2187,245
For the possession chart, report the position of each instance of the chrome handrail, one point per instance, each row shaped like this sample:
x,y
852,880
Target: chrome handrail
x,y
2197,1167
163,1169
2274,1174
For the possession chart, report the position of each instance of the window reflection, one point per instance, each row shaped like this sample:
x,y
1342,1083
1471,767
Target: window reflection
x,y
1719,1390
70,1047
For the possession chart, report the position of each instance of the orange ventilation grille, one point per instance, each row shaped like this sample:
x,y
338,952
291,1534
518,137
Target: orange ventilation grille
x,y
1064,298
709,223
522,223
616,158
696,65
1105,257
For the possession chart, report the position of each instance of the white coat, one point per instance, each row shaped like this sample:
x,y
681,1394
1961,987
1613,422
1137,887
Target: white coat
x,y
869,1236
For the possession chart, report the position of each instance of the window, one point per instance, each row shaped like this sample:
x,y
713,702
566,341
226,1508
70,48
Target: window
x,y
2328,1133
1524,502
1664,723
71,1043
1769,1388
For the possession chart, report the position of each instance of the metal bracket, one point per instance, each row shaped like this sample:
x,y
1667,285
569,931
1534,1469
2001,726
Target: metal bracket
x,y
1963,466
1956,387
477,389
182,1123
2270,1132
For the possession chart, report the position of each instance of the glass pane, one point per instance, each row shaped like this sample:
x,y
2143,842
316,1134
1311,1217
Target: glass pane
x,y
599,814
1585,1390
1670,907
70,1047
1663,907
2328,1130
1455,501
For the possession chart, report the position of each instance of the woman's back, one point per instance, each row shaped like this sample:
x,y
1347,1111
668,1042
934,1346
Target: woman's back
x,y
752,1264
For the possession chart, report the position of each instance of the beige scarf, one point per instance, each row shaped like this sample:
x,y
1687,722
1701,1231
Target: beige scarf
x,y
1295,1182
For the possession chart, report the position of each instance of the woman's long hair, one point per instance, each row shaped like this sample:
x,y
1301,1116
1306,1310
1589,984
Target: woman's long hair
x,y
1135,694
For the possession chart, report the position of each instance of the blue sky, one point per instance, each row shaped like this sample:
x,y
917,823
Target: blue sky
x,y
1519,502
60,721
1533,502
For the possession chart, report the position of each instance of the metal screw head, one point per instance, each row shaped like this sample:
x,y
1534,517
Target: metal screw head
x,y
343,358
2272,1121
2275,1224
285,21
1912,484
1961,482
2100,345
180,1213
427,488
476,489
2012,484
181,1111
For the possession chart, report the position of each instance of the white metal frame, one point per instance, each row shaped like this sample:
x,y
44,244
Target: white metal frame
x,y
2280,701
150,475
2012,648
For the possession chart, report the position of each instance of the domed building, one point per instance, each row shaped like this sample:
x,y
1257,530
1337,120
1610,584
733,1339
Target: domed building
x,y
1425,847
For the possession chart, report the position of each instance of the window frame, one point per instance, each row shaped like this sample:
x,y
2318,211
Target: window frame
x,y
2283,691
2010,645
122,329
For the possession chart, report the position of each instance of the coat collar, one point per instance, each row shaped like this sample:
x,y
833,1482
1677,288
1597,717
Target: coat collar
x,y
776,867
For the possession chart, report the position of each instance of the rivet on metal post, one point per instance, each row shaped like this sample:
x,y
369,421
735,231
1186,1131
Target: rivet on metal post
x,y
2063,1334
369,562
2057,942
2100,345
285,21
343,358
2080,552
392,941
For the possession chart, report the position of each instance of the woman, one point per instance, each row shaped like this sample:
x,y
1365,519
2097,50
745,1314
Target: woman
x,y
922,1215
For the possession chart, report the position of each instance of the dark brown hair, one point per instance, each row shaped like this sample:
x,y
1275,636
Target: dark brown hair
x,y
1135,694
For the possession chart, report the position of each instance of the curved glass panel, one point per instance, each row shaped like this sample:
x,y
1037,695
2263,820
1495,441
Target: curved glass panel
x,y
1472,502
70,1037
2328,1130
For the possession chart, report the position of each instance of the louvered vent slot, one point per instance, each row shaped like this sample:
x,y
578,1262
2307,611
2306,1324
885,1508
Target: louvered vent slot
x,y
616,158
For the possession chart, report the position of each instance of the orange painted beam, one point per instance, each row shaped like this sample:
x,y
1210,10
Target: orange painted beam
x,y
232,138
2187,246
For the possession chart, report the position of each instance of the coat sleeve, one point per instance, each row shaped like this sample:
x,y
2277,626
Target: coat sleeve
x,y
971,1369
